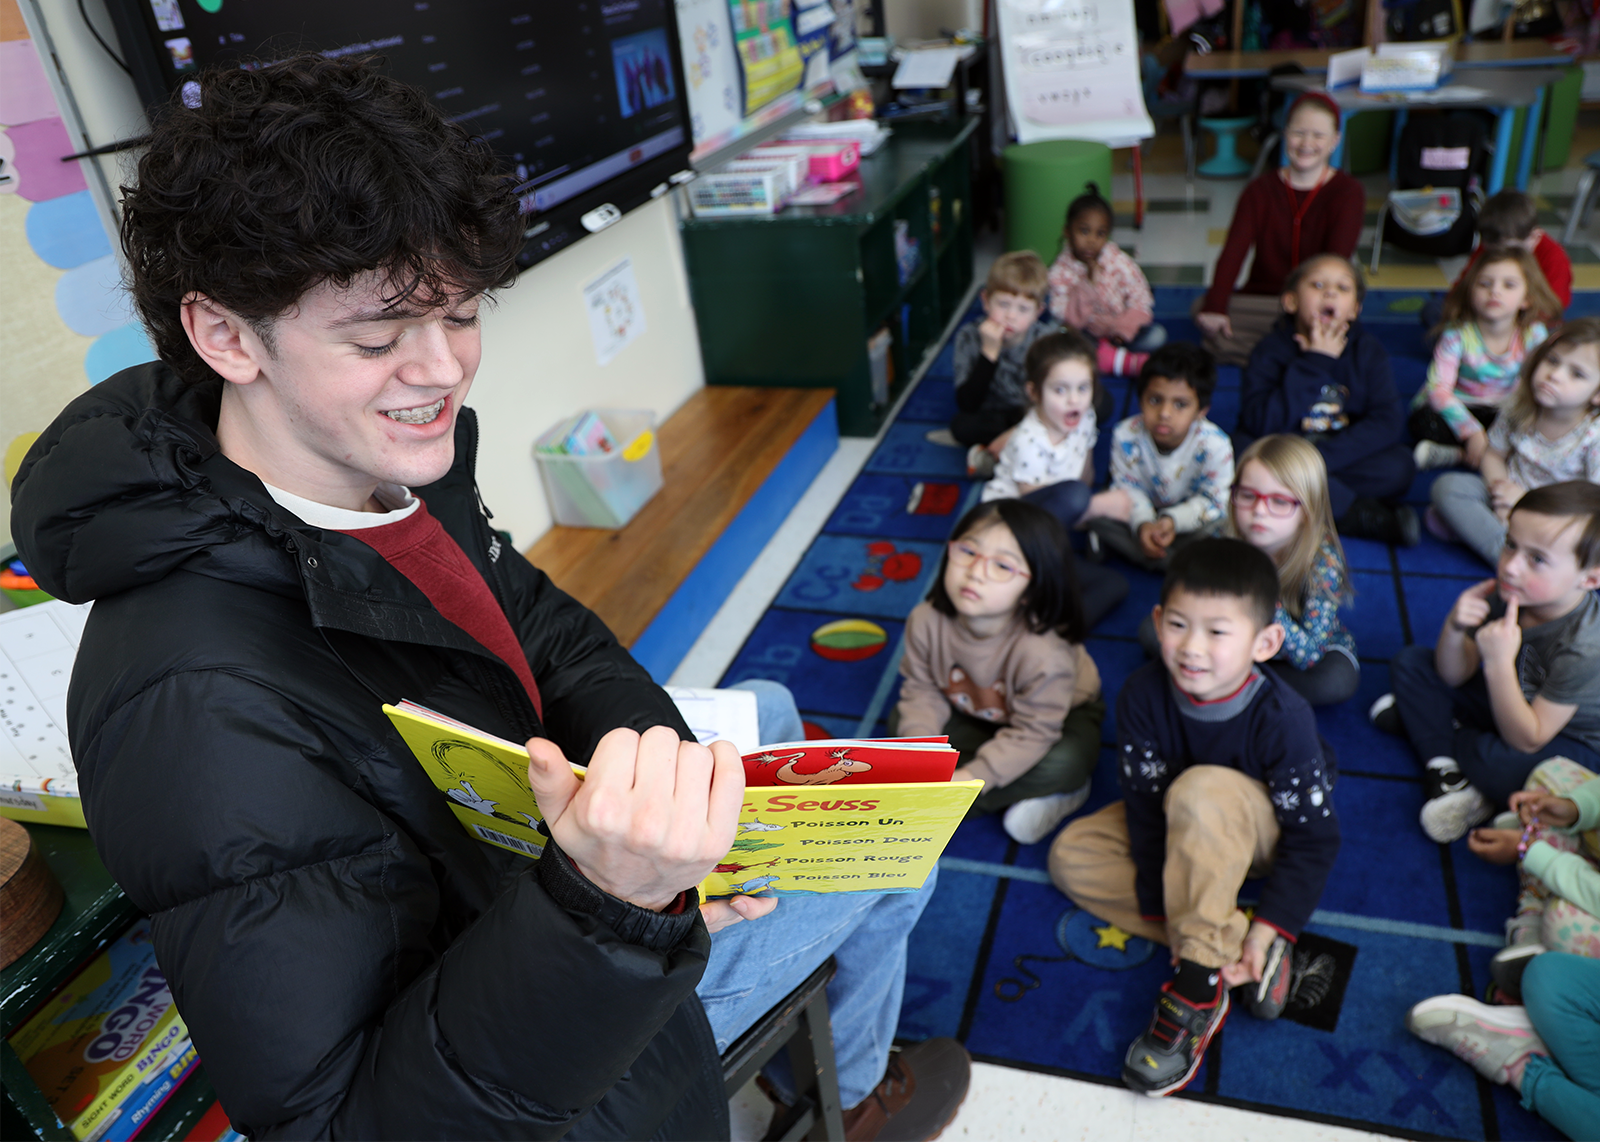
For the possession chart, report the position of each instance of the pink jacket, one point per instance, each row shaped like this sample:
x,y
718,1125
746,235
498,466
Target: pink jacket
x,y
1117,304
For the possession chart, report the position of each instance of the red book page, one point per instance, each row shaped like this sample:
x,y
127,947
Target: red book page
x,y
865,762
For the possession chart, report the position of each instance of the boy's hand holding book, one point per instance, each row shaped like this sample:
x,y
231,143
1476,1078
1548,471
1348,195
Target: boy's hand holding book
x,y
652,817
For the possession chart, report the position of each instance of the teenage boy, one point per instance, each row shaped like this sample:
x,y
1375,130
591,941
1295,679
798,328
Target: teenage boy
x,y
1223,777
1511,218
1174,464
1514,678
280,526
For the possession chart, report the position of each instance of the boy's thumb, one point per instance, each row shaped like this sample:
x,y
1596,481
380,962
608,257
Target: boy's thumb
x,y
550,777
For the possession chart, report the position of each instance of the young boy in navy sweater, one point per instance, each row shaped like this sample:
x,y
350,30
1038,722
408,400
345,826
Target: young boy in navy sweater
x,y
1318,374
1223,777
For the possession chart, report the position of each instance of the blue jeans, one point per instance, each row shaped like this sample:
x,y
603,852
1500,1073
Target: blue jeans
x,y
1562,993
755,963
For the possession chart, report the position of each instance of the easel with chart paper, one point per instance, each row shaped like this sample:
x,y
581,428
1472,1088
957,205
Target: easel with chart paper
x,y
1072,71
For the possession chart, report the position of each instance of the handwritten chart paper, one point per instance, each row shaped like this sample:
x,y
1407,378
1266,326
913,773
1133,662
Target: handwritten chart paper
x,y
1072,70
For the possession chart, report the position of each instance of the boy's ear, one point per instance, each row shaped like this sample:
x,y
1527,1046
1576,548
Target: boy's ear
x,y
222,338
1590,578
1269,640
1155,617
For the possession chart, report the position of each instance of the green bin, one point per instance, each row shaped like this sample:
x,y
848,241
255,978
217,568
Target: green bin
x,y
1041,178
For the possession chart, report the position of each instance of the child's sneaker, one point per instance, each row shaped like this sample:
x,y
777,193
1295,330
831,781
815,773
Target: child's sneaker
x,y
1031,821
1428,454
1510,962
1385,714
941,436
1493,1039
1167,1055
1447,817
1438,527
980,462
1269,997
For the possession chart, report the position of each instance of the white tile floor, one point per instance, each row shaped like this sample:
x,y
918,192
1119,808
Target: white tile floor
x,y
1004,1102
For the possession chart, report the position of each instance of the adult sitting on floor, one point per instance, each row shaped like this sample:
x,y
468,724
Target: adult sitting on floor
x,y
1287,216
309,245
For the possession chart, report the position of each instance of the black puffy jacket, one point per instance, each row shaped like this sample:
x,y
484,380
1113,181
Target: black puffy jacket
x,y
349,961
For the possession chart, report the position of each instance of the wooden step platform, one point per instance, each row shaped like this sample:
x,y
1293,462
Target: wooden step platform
x,y
734,463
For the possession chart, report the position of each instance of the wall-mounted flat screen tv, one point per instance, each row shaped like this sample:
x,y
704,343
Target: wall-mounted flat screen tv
x,y
584,99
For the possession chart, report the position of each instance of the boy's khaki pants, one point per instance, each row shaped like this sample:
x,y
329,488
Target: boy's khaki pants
x,y
1220,830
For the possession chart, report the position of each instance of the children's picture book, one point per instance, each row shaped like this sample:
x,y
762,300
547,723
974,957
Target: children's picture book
x,y
712,714
883,833
110,1047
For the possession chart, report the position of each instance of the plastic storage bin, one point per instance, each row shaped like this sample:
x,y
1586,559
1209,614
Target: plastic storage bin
x,y
606,490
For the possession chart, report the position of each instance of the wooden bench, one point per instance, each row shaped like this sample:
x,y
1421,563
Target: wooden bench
x,y
734,462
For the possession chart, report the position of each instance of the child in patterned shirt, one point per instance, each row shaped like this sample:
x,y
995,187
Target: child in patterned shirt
x,y
1096,287
1548,433
1280,505
1493,318
1174,465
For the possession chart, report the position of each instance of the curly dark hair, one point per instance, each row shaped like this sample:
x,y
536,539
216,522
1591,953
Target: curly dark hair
x,y
262,184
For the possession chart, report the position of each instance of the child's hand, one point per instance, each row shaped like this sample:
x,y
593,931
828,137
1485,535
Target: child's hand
x,y
1156,536
1472,607
720,914
1252,959
998,444
1215,324
964,773
1327,337
1503,496
1497,846
991,337
1500,640
1475,446
1562,812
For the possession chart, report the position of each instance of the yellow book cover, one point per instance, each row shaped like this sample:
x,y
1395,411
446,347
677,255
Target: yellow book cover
x,y
793,838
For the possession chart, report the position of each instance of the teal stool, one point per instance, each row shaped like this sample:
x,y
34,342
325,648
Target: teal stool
x,y
1226,163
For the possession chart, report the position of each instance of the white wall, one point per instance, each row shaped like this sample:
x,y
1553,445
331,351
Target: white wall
x,y
539,363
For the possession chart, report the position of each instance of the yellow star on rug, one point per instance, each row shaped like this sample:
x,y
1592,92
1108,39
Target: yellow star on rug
x,y
1112,936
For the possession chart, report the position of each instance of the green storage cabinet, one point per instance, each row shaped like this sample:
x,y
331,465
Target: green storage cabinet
x,y
791,299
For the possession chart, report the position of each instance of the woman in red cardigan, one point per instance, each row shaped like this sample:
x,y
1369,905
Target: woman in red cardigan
x,y
1287,215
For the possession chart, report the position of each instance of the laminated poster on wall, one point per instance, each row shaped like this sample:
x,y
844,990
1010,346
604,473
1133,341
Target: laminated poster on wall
x,y
616,314
1072,70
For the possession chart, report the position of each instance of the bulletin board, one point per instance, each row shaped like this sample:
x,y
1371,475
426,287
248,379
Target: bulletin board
x,y
1072,70
748,63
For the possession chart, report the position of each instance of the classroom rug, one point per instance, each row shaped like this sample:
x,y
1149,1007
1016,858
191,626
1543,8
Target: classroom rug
x,y
1005,963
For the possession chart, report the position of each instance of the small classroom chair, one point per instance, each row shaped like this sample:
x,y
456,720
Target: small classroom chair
x,y
799,1022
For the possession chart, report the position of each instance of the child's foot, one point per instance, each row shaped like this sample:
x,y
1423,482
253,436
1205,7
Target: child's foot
x,y
1368,518
1385,714
941,436
1118,361
1428,455
1495,1040
1447,817
980,462
1167,1055
1268,998
1031,821
1510,962
1438,528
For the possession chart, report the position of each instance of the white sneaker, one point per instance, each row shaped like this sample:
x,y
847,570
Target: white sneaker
x,y
1447,817
1385,714
941,436
1492,1038
980,462
1428,454
1031,821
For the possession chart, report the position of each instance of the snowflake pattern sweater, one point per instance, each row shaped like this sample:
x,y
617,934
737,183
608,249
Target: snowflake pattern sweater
x,y
1189,484
1266,731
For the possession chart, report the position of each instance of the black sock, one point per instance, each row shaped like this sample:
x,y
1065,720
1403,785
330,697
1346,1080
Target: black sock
x,y
1199,985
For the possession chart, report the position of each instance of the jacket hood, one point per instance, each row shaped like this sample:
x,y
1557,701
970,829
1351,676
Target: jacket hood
x,y
129,483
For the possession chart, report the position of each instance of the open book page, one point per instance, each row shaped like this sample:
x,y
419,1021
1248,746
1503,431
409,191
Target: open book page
x,y
872,837
712,714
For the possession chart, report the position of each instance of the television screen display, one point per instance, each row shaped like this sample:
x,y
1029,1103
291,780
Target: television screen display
x,y
584,99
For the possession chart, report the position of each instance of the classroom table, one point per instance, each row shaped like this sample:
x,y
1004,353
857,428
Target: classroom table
x,y
1505,91
1469,57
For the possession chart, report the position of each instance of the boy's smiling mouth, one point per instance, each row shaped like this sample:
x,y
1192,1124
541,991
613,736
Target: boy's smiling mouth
x,y
424,415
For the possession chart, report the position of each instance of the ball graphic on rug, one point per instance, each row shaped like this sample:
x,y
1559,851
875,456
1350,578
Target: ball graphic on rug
x,y
848,640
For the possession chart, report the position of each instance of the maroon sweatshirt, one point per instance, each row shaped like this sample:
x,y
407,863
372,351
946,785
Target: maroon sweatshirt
x,y
1330,223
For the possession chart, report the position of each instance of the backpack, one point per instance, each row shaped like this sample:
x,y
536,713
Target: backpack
x,y
1447,154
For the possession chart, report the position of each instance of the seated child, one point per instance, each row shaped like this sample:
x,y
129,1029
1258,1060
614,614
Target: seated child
x,y
991,393
1318,374
995,659
1511,218
1096,288
1493,318
1553,833
1512,680
1548,432
1545,1051
1223,777
1172,463
1280,505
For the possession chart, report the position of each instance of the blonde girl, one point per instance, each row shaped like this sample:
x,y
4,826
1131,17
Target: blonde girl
x,y
1280,505
1547,433
1493,318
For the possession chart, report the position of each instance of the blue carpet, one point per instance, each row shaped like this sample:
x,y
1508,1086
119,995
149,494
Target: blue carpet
x,y
1004,962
